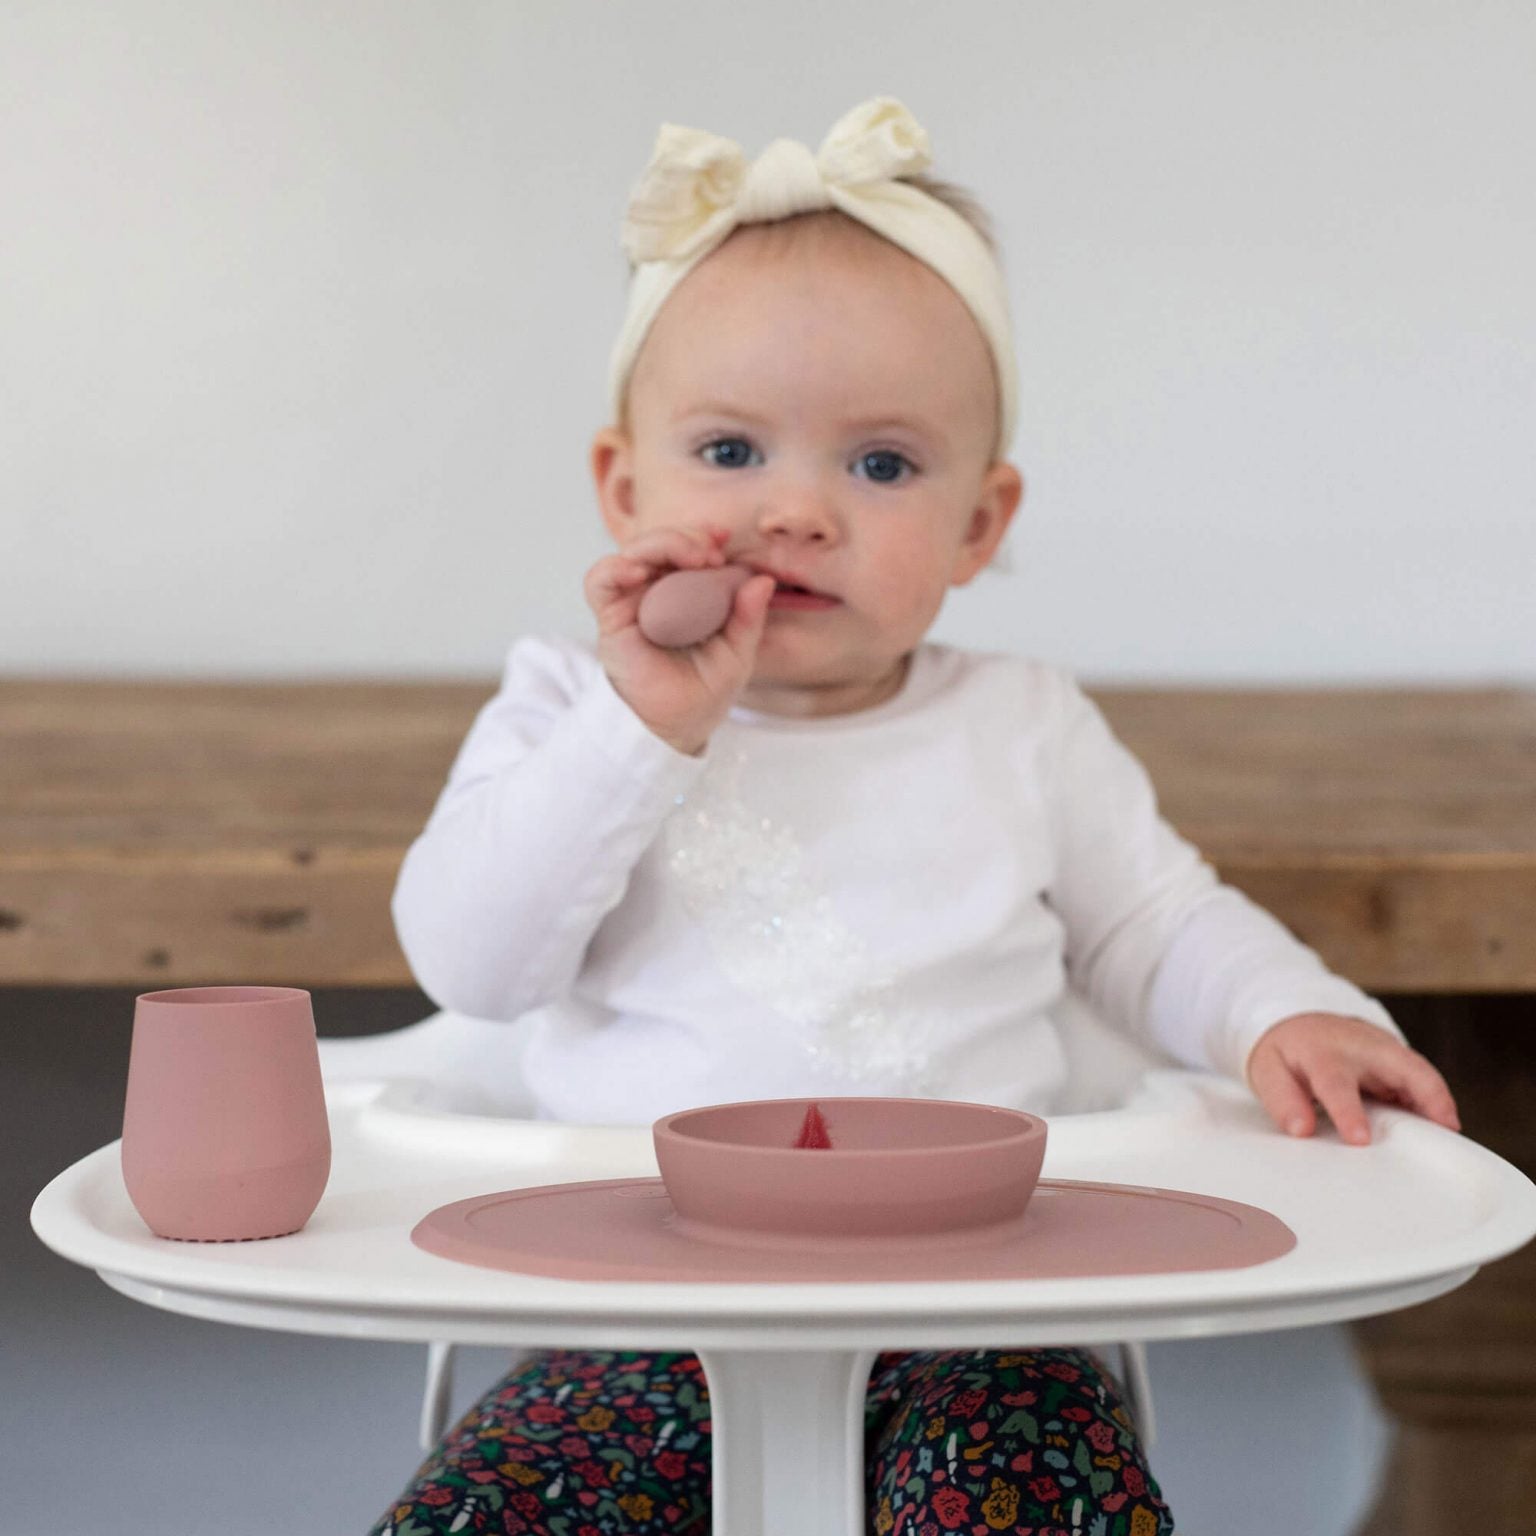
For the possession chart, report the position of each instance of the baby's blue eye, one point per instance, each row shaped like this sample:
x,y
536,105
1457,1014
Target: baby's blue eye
x,y
736,452
884,466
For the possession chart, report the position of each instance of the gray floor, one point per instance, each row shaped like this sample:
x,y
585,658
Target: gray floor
x,y
118,1418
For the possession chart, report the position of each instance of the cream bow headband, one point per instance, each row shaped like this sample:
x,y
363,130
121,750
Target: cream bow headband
x,y
698,187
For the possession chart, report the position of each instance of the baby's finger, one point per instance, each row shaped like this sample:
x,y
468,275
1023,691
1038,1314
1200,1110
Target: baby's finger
x,y
1277,1088
660,549
1413,1080
1339,1093
726,658
612,580
749,613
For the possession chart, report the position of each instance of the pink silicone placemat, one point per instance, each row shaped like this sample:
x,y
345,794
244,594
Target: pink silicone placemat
x,y
627,1229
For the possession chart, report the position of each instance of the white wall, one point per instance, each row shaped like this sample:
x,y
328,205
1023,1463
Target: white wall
x,y
305,308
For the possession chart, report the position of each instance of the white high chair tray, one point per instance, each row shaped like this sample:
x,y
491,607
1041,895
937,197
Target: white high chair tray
x,y
1379,1227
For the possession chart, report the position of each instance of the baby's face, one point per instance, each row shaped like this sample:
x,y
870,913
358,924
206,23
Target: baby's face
x,y
831,403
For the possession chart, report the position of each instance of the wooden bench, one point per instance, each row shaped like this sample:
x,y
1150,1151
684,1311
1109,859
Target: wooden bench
x,y
167,833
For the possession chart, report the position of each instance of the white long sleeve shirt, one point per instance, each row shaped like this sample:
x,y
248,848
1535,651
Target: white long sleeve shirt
x,y
888,902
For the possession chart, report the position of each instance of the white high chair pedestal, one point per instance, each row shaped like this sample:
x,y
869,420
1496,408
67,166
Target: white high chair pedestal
x,y
1379,1228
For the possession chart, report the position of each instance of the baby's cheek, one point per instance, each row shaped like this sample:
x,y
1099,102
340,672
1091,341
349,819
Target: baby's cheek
x,y
916,584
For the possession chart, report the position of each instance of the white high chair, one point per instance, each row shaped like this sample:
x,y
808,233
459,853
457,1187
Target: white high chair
x,y
474,1066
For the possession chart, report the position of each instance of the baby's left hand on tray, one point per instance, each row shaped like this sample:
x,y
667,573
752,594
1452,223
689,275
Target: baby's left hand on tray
x,y
1332,1059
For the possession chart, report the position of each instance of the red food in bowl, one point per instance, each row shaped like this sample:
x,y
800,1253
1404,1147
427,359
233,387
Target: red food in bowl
x,y
814,1132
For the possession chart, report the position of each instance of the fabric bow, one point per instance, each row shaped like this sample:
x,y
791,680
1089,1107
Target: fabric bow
x,y
698,185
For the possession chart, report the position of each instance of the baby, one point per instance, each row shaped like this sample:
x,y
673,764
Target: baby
x,y
817,853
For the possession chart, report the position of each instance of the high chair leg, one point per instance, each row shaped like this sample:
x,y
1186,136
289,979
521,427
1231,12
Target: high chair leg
x,y
434,1401
1136,1377
437,1398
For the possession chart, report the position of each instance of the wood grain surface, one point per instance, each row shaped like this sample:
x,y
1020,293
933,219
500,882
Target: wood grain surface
x,y
163,832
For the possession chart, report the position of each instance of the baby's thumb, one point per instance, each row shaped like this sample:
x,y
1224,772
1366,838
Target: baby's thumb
x,y
749,614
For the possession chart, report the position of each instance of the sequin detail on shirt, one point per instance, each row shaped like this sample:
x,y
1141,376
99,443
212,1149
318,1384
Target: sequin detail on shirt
x,y
780,939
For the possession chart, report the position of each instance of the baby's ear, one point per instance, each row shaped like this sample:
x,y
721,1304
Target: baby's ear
x,y
1002,489
613,474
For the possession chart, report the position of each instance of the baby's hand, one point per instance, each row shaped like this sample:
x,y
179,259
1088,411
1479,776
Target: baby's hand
x,y
1331,1058
682,695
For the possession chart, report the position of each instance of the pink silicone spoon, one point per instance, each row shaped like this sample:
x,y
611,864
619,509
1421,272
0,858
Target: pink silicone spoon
x,y
687,607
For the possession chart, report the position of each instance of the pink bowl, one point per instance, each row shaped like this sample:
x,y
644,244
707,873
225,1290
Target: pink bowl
x,y
896,1167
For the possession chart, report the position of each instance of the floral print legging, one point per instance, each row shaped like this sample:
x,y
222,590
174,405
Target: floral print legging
x,y
595,1443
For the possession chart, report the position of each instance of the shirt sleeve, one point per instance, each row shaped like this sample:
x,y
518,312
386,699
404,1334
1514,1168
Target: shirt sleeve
x,y
555,794
1232,972
1155,942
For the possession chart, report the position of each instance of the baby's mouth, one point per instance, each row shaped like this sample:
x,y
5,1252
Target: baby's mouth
x,y
791,598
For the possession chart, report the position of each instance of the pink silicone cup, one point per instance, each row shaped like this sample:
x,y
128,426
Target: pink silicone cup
x,y
687,607
225,1135
915,1166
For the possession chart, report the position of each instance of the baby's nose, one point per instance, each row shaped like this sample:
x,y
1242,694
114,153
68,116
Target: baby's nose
x,y
805,516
